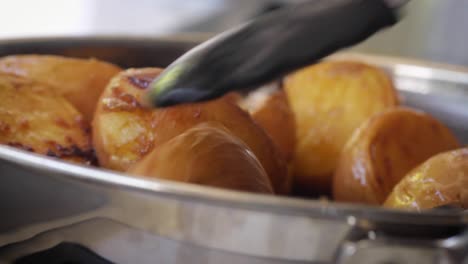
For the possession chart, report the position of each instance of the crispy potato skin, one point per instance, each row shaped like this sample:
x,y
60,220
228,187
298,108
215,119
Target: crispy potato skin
x,y
441,180
124,131
81,81
34,118
269,107
383,150
330,100
209,155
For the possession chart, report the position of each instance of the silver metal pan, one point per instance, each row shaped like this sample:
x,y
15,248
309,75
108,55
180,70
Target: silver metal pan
x,y
45,202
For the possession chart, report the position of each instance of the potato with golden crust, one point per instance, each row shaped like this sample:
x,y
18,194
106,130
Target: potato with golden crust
x,y
441,180
206,154
383,150
124,131
34,118
269,107
81,81
330,100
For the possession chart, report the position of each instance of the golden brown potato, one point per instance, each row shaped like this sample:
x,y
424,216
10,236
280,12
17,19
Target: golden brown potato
x,y
330,100
81,81
383,150
269,107
34,118
209,155
441,180
124,131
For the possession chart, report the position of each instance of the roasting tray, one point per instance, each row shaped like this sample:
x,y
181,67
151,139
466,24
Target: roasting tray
x,y
44,202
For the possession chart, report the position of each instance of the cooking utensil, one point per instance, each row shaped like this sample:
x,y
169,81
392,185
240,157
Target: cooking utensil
x,y
270,46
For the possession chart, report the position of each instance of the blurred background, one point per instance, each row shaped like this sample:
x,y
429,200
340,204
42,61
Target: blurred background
x,y
435,30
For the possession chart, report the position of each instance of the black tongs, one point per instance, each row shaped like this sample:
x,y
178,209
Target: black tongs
x,y
270,46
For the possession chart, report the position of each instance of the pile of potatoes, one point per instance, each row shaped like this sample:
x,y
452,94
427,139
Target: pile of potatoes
x,y
334,128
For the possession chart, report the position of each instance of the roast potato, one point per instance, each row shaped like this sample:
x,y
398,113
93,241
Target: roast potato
x,y
124,131
81,81
330,100
34,118
383,150
441,180
269,107
209,155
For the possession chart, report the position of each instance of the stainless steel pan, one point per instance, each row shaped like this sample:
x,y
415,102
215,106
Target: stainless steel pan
x,y
124,219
